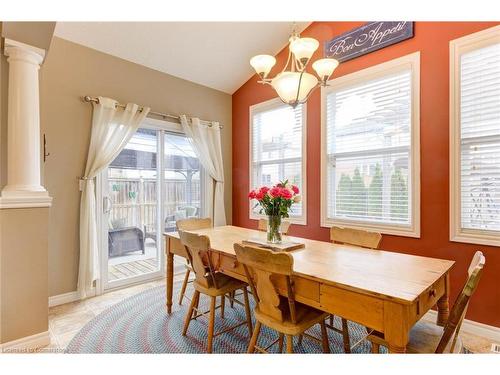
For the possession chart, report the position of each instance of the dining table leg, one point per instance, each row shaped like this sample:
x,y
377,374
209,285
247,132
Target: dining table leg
x,y
396,327
169,278
443,304
396,349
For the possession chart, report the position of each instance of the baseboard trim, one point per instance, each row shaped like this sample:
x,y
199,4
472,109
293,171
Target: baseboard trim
x,y
61,299
490,332
74,296
26,344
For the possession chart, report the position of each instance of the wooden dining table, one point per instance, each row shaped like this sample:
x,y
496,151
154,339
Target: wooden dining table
x,y
382,290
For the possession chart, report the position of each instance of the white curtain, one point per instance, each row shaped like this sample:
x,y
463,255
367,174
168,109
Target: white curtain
x,y
206,142
112,128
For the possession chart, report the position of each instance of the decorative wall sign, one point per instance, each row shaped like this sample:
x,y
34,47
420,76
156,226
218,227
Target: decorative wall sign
x,y
368,38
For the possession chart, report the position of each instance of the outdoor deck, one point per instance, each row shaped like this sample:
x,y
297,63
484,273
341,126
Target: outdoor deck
x,y
130,269
138,267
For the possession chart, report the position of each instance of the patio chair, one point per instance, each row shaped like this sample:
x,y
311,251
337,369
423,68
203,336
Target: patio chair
x,y
122,241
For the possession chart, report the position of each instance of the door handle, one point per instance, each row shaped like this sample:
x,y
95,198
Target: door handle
x,y
106,205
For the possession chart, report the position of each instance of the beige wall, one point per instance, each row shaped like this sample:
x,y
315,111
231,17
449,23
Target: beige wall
x,y
38,34
23,272
71,71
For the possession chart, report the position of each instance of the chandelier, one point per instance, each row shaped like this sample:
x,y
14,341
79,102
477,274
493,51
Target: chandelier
x,y
293,84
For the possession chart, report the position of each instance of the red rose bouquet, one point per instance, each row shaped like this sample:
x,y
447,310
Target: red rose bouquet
x,y
275,202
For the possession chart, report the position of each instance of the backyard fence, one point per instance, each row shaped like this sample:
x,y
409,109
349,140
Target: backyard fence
x,y
134,201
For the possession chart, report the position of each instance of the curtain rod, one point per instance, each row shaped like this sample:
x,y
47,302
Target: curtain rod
x,y
90,99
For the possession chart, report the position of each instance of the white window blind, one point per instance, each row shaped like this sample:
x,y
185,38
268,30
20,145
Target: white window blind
x,y
368,144
480,138
277,147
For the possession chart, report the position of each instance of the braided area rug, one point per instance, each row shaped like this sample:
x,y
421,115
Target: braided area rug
x,y
140,324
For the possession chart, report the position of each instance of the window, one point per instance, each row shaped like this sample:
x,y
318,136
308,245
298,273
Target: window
x,y
277,150
370,149
475,138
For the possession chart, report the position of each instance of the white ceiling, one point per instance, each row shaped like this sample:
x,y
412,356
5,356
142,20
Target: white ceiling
x,y
213,54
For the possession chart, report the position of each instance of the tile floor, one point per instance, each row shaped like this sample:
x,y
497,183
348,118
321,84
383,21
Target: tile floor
x,y
66,320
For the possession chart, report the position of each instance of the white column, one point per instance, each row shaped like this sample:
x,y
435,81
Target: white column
x,y
23,187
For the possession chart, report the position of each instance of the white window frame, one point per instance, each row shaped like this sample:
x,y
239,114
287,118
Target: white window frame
x,y
458,47
411,61
266,106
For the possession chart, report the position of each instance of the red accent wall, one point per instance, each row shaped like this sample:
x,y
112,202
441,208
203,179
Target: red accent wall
x,y
432,40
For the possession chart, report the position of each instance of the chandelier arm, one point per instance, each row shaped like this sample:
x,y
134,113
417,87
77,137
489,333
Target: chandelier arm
x,y
287,61
312,90
308,95
298,88
306,64
301,65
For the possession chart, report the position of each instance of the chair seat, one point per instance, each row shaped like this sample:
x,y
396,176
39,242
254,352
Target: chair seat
x,y
424,338
306,317
225,284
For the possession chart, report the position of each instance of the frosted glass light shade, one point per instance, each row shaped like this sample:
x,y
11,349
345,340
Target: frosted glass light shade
x,y
286,85
303,48
325,67
262,64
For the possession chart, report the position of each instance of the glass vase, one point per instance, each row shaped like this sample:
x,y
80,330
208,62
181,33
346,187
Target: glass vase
x,y
274,229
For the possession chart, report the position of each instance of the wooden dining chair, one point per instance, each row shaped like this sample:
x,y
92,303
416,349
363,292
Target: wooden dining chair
x,y
360,238
264,269
210,283
285,226
426,337
262,226
190,224
355,237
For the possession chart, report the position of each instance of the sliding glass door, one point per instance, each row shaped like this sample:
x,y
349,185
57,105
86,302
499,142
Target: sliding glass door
x,y
154,181
132,240
182,182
